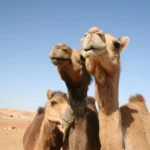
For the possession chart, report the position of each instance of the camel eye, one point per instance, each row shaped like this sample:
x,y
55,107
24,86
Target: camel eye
x,y
117,45
53,102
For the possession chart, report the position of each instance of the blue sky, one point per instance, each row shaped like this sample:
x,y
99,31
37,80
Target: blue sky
x,y
29,29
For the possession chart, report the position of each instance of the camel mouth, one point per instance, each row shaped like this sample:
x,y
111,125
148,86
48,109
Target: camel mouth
x,y
66,122
57,122
94,51
87,50
91,48
59,59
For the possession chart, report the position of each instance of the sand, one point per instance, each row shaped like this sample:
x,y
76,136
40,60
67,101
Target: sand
x,y
13,124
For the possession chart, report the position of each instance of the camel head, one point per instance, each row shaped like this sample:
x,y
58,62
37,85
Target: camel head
x,y
58,109
60,54
103,49
70,63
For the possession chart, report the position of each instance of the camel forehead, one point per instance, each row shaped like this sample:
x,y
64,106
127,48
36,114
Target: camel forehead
x,y
109,37
62,45
95,29
59,96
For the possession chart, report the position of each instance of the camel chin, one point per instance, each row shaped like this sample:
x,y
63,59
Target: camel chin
x,y
60,61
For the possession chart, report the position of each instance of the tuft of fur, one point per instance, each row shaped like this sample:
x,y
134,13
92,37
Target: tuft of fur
x,y
136,98
90,99
139,101
40,111
59,93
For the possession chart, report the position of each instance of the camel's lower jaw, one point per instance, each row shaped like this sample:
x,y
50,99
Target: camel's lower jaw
x,y
59,61
63,128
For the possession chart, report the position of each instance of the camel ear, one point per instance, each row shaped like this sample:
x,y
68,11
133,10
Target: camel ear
x,y
49,94
124,42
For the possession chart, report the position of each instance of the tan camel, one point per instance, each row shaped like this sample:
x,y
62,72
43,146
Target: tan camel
x,y
102,54
139,102
71,67
32,132
46,130
134,131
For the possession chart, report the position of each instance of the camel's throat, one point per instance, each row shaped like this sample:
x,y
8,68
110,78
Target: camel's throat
x,y
106,91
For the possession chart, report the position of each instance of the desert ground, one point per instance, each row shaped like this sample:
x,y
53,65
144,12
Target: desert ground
x,y
13,124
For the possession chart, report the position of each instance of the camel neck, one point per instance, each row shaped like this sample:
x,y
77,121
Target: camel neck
x,y
109,114
77,99
77,89
107,94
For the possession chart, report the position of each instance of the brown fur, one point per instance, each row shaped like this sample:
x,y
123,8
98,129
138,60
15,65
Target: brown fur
x,y
32,132
42,133
77,79
40,111
75,140
91,103
146,121
50,138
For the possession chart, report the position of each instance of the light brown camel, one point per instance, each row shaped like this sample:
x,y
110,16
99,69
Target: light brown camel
x,y
139,103
83,134
102,54
133,116
46,130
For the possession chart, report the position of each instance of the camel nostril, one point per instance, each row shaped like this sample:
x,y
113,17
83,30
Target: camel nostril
x,y
87,49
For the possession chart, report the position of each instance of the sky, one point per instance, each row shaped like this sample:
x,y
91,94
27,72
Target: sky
x,y
30,28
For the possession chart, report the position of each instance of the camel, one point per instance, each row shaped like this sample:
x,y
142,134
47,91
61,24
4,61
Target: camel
x,y
32,132
139,101
135,132
46,130
102,55
83,133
